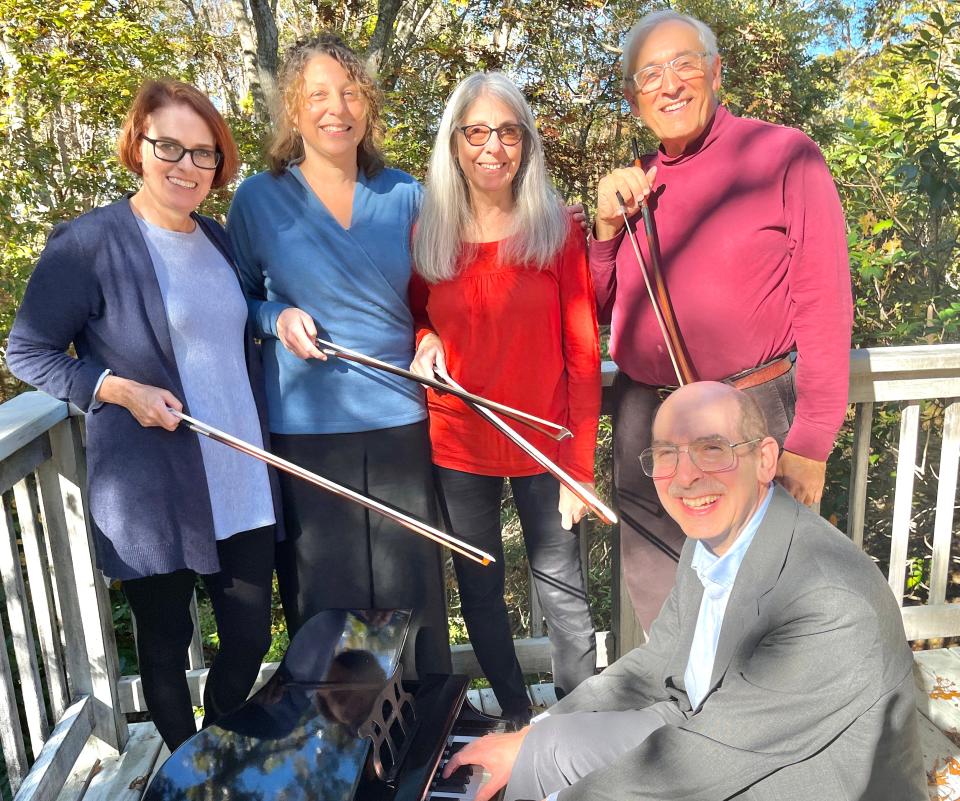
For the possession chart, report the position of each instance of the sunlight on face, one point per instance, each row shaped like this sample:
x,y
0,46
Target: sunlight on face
x,y
677,112
332,118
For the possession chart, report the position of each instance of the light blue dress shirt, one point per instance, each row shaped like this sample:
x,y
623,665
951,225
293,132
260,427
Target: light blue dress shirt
x,y
717,574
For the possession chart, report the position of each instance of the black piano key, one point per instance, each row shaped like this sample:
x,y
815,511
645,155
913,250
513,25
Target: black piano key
x,y
453,748
455,782
463,773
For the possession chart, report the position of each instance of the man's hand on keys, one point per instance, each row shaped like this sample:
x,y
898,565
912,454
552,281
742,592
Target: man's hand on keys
x,y
495,753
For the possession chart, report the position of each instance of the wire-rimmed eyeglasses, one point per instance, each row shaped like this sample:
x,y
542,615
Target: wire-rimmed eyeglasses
x,y
710,455
202,157
509,134
686,66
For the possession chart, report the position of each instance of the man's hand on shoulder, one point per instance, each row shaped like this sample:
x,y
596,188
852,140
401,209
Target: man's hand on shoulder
x,y
803,478
578,215
496,754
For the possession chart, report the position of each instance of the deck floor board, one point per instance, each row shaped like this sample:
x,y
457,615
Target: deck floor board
x,y
124,778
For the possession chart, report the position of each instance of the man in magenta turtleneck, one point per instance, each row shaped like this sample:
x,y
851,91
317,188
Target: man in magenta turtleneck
x,y
754,257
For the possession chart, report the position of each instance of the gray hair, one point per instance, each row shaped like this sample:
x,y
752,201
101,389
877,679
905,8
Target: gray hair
x,y
540,224
753,422
639,33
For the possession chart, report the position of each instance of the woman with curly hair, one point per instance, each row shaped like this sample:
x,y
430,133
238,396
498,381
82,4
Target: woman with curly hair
x,y
323,245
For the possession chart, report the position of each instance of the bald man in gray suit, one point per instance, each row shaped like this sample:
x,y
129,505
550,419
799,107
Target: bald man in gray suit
x,y
777,670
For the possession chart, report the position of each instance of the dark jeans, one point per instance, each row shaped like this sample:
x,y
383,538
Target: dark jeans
x,y
471,507
240,594
650,541
337,555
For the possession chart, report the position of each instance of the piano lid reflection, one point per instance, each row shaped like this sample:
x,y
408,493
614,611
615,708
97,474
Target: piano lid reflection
x,y
335,723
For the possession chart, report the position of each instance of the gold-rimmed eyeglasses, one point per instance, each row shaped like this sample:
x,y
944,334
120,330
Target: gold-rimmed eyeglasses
x,y
202,157
686,66
712,455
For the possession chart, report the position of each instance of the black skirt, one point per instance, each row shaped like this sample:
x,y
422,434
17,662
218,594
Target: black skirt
x,y
338,555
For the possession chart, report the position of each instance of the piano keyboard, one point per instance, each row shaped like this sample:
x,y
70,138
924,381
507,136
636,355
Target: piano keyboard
x,y
464,783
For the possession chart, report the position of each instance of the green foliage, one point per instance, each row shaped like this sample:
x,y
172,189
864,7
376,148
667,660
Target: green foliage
x,y
123,630
897,161
896,158
884,105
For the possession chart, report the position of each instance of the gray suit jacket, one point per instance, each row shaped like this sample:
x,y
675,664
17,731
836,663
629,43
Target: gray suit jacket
x,y
811,696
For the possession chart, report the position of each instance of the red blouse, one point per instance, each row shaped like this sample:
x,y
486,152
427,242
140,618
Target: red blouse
x,y
523,337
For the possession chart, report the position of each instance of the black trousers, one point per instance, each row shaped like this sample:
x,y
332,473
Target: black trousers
x,y
471,508
650,541
240,594
337,555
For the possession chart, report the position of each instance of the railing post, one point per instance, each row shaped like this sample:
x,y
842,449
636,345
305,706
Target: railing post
x,y
84,599
946,500
11,732
857,492
903,497
21,630
41,594
627,631
195,655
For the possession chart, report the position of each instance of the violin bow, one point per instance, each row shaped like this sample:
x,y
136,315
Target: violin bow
x,y
681,361
604,512
405,520
667,339
552,430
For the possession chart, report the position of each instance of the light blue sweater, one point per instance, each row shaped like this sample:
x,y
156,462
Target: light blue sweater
x,y
292,252
207,341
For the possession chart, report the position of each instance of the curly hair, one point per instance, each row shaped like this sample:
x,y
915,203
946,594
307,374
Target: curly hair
x,y
286,146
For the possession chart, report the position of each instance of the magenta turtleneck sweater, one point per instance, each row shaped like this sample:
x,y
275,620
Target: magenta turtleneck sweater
x,y
755,259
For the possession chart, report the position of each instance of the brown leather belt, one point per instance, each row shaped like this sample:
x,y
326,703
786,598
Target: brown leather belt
x,y
762,374
753,377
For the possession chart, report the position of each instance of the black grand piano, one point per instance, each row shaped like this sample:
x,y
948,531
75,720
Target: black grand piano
x,y
336,722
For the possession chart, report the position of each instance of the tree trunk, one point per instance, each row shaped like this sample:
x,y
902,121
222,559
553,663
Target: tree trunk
x,y
379,46
265,23
257,29
248,48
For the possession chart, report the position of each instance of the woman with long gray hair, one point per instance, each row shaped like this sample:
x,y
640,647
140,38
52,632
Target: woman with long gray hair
x,y
503,302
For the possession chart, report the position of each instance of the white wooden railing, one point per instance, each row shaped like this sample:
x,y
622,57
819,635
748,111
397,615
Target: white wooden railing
x,y
61,629
910,376
57,607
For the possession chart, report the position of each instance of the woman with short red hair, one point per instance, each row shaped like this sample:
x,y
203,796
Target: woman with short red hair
x,y
146,291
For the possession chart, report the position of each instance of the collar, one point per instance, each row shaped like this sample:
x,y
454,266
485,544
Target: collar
x,y
718,123
296,171
718,573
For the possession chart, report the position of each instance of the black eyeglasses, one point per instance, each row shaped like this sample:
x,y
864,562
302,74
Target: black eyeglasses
x,y
509,134
710,455
202,157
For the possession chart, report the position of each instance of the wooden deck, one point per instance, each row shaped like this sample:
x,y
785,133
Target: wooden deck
x,y
98,777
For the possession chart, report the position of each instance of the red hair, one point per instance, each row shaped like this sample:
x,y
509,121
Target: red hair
x,y
157,94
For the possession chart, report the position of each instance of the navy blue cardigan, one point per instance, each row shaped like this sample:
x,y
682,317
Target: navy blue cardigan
x,y
95,286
